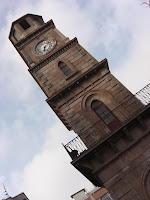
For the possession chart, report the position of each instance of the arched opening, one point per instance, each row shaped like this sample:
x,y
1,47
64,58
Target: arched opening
x,y
24,24
105,114
64,68
146,182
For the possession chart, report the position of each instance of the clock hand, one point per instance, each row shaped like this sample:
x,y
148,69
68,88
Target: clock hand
x,y
44,48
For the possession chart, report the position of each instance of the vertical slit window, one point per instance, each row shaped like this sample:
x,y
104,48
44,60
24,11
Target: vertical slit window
x,y
64,68
16,35
105,114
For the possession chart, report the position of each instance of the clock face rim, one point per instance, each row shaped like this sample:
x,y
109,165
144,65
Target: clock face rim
x,y
42,48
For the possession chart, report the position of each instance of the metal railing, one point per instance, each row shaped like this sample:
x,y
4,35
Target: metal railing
x,y
144,95
126,110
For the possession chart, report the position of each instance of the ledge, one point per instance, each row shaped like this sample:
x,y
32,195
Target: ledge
x,y
88,73
114,135
53,56
71,75
121,152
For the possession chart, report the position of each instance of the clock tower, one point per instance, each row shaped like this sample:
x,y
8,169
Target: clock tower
x,y
112,125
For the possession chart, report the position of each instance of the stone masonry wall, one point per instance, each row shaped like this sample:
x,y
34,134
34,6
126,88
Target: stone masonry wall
x,y
81,117
124,178
51,78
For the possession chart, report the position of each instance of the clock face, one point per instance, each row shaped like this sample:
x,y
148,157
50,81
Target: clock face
x,y
44,47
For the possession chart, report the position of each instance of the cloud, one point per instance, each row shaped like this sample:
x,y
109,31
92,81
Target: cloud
x,y
47,174
134,69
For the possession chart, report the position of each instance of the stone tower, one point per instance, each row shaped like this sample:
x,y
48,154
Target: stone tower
x,y
112,147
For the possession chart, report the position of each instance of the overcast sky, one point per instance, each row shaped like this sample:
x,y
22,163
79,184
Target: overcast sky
x,y
32,158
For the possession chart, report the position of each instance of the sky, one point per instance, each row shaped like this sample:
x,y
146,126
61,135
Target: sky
x,y
32,158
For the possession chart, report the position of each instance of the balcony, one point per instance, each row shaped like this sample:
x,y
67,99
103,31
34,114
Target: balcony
x,y
136,103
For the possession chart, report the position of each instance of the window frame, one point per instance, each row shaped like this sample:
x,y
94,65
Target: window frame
x,y
62,68
114,121
70,67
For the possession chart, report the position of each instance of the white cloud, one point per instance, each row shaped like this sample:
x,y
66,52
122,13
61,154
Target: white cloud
x,y
2,185
50,174
134,69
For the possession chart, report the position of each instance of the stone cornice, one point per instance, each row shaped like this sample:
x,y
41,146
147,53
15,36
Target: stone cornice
x,y
48,25
59,114
85,75
53,56
118,133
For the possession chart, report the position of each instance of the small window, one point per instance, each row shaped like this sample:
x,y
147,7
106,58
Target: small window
x,y
105,114
105,197
64,68
37,21
16,35
24,24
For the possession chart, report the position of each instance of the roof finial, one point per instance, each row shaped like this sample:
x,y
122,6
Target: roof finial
x,y
5,191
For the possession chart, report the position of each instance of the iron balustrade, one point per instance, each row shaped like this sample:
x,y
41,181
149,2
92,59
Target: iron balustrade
x,y
135,103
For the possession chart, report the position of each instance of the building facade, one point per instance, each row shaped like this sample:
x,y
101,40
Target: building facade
x,y
20,196
95,194
112,147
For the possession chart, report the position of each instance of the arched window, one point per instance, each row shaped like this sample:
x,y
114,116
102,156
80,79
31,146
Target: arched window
x,y
105,114
64,68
